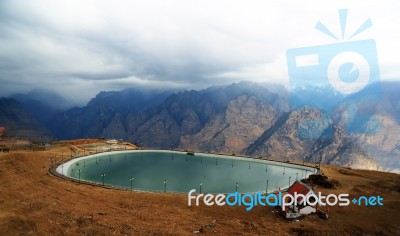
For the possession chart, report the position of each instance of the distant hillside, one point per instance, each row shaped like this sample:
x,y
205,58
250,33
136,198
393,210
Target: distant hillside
x,y
106,109
241,118
18,122
296,136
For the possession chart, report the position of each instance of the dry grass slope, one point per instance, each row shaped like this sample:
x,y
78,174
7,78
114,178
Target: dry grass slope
x,y
35,202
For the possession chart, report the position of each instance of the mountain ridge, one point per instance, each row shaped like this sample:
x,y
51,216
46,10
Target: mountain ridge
x,y
241,118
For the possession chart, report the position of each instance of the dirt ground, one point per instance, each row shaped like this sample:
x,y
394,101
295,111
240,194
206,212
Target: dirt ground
x,y
35,202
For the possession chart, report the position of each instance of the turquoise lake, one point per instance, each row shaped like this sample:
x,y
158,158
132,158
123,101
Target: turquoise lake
x,y
172,171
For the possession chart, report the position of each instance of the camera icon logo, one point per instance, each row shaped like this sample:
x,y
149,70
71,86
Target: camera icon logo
x,y
323,76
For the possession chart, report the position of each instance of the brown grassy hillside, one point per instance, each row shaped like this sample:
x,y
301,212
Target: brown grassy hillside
x,y
35,202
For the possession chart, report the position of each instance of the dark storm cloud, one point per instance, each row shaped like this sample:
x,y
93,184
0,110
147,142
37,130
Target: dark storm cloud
x,y
75,46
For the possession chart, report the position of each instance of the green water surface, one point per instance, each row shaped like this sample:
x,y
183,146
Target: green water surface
x,y
179,172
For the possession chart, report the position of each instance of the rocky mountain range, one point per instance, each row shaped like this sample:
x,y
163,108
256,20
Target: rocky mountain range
x,y
243,118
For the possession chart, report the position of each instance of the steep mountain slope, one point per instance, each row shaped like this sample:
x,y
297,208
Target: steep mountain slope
x,y
106,109
308,134
376,124
194,118
179,114
244,119
19,122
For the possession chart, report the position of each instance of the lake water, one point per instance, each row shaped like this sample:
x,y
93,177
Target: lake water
x,y
173,171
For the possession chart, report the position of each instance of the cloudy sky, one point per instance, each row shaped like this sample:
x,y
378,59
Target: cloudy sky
x,y
78,48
